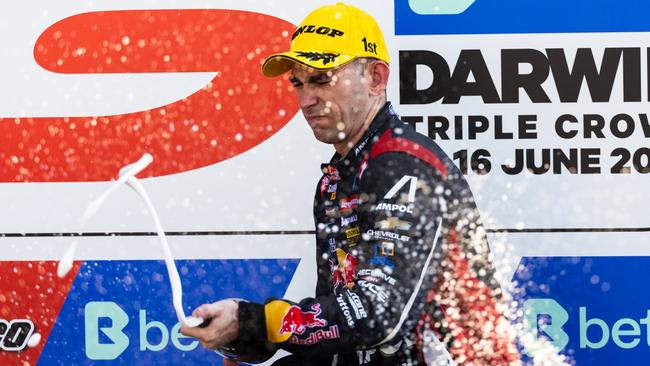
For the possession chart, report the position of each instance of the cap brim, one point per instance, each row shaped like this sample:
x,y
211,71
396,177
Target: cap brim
x,y
280,63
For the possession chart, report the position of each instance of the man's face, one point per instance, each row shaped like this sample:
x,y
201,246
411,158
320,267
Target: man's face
x,y
335,102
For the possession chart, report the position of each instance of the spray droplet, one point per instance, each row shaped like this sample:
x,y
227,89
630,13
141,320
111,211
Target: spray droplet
x,y
34,340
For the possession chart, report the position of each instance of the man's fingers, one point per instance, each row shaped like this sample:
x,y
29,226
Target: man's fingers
x,y
220,327
191,332
206,311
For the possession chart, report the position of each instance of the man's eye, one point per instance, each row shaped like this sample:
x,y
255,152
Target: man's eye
x,y
323,82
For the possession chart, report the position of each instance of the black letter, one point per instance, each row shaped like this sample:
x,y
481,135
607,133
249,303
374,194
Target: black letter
x,y
590,158
322,30
559,122
512,80
543,166
593,124
629,122
498,130
477,124
519,164
600,84
471,61
408,61
570,162
335,32
438,125
631,74
527,129
645,124
412,120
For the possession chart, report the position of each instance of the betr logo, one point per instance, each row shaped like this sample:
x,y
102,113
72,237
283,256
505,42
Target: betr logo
x,y
93,312
98,311
548,317
535,310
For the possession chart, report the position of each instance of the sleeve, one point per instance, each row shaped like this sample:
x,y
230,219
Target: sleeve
x,y
399,219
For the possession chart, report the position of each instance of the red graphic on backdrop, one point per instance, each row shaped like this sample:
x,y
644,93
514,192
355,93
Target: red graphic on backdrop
x,y
236,111
32,290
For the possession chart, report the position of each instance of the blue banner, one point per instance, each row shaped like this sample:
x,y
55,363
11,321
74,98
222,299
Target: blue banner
x,y
517,16
121,313
596,310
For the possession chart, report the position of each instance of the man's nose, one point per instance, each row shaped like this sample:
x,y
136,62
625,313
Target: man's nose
x,y
307,98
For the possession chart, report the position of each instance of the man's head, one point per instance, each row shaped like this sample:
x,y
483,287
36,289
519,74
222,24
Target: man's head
x,y
339,67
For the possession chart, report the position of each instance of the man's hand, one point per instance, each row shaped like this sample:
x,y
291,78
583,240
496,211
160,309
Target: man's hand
x,y
223,326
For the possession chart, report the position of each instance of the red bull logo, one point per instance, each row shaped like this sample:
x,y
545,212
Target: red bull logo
x,y
332,173
344,271
296,321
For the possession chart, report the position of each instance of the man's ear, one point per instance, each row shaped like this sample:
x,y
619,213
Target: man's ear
x,y
378,73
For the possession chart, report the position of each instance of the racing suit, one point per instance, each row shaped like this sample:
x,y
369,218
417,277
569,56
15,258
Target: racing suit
x,y
404,276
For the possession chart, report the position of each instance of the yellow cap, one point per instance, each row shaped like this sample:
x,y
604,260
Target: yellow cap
x,y
330,37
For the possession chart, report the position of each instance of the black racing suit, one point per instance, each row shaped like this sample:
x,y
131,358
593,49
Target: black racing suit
x,y
402,262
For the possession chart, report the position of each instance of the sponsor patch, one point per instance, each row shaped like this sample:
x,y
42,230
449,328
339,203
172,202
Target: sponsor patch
x,y
347,221
383,251
343,272
351,233
322,30
393,223
392,207
332,243
318,336
357,306
331,211
348,204
332,173
382,295
388,235
343,305
412,182
296,321
376,275
324,183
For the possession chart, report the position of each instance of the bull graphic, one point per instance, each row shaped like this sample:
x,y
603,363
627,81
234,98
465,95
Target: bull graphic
x,y
296,321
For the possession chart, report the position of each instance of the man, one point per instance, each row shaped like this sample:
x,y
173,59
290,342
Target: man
x,y
404,276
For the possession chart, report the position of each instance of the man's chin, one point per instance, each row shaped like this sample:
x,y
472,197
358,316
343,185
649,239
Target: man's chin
x,y
326,138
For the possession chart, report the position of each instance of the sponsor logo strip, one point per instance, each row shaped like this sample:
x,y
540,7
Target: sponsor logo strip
x,y
122,310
